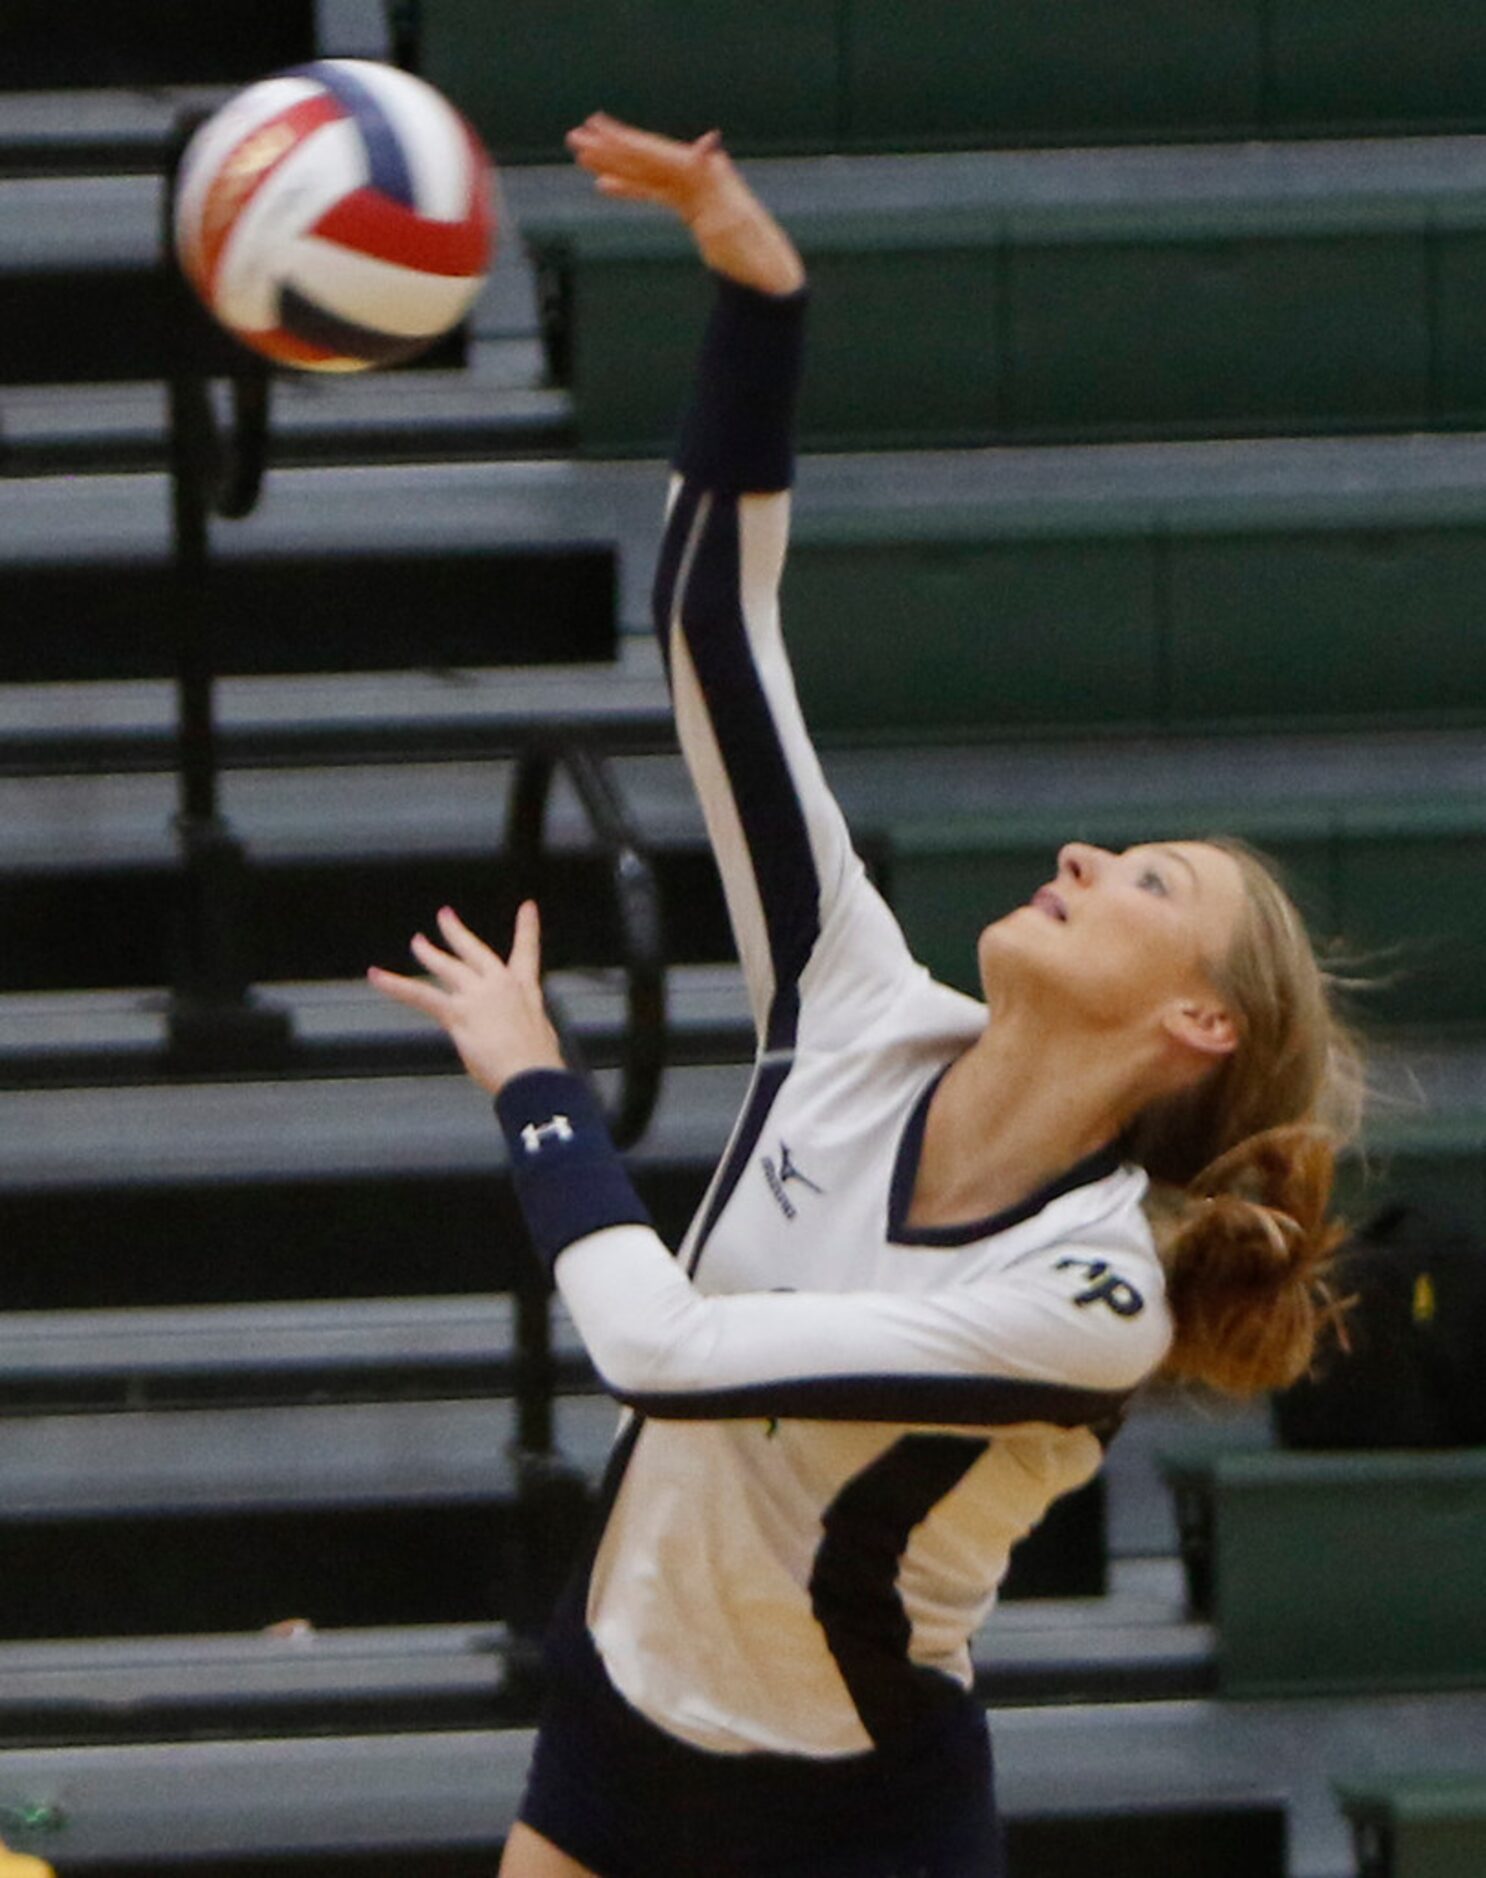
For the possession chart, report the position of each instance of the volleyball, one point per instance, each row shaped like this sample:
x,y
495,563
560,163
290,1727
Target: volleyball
x,y
337,216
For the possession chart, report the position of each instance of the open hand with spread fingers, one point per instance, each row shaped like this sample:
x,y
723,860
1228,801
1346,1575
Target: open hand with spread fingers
x,y
491,1007
700,183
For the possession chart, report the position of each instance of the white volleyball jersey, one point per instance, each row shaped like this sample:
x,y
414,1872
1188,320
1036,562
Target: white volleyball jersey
x,y
840,1424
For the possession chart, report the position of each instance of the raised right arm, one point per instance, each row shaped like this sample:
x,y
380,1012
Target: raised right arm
x,y
817,944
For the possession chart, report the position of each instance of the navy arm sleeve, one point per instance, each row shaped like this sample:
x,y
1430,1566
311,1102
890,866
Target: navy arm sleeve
x,y
818,947
738,433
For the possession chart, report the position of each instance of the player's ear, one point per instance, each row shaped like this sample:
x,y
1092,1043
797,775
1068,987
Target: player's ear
x,y
1204,1025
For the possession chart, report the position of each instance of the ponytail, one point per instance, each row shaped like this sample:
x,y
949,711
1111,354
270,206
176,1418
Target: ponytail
x,y
1247,1248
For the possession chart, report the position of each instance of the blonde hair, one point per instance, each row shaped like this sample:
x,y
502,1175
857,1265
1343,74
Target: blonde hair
x,y
1242,1168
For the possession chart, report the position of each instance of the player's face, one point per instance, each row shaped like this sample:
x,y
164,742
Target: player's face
x,y
1120,935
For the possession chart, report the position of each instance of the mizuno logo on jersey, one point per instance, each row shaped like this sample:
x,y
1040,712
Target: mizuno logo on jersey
x,y
779,1174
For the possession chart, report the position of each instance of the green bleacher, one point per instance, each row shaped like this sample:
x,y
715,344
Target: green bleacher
x,y
1245,290
1288,584
831,75
1371,870
1337,1573
1417,1826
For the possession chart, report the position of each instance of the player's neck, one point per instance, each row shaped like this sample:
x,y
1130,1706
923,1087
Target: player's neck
x,y
1015,1111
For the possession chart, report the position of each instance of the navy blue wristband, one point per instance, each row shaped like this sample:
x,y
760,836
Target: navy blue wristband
x,y
569,1177
739,431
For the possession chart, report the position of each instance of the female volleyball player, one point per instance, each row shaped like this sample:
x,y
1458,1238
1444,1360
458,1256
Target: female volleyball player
x,y
940,1253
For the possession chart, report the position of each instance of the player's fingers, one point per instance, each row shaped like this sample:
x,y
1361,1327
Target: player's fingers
x,y
603,140
526,944
599,125
629,192
467,945
416,993
604,144
451,972
621,167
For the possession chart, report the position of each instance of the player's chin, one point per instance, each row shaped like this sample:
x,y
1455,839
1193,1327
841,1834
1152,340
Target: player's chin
x,y
1016,934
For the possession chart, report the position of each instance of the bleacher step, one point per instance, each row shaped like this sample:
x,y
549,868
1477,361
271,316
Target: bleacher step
x,y
317,1458
115,128
349,860
111,130
499,406
88,299
233,1518
1141,587
114,727
1247,289
127,726
432,731
1136,1643
91,1038
453,1794
283,1680
437,1675
380,1129
146,1358
855,74
323,576
863,74
317,1190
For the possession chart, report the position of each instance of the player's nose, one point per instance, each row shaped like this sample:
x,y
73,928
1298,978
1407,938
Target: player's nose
x,y
1080,863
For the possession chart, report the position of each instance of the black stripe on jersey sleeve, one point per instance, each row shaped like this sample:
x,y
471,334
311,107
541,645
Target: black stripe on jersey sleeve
x,y
758,772
854,1584
769,1078
944,1401
668,565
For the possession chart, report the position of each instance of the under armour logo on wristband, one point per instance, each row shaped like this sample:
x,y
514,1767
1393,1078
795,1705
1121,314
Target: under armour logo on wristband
x,y
535,1133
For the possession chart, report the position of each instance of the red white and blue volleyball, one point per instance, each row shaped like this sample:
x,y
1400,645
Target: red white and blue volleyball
x,y
337,216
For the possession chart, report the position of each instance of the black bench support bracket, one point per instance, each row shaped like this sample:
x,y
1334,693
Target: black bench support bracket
x,y
214,1020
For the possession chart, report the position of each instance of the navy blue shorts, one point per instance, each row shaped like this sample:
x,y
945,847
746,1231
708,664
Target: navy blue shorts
x,y
628,1800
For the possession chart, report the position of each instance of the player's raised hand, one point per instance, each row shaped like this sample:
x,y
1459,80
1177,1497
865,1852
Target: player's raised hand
x,y
643,167
491,1007
700,183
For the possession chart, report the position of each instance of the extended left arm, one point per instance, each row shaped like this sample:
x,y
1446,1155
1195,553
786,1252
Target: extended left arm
x,y
1035,1344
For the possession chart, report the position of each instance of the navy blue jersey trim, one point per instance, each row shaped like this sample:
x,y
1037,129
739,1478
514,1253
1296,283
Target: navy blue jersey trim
x,y
763,789
854,1585
943,1401
1096,1166
390,174
768,1079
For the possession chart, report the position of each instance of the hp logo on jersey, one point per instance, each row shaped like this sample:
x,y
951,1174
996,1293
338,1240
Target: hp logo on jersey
x,y
780,1173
